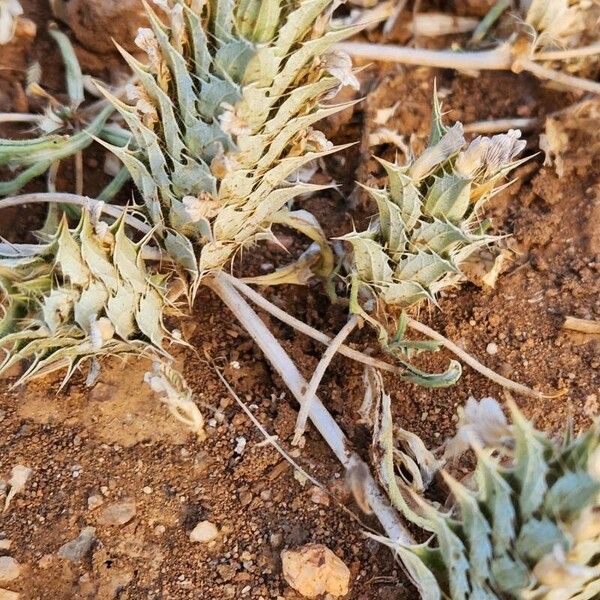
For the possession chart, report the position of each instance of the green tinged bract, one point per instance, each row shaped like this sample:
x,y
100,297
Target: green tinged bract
x,y
526,525
220,121
429,218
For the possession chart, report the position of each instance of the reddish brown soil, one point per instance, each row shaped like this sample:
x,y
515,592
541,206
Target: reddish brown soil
x,y
117,441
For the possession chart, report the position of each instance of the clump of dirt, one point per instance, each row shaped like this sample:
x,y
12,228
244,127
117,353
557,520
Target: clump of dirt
x,y
114,444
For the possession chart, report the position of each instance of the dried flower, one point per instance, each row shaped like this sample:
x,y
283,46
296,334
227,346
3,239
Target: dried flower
x,y
232,123
554,571
339,64
9,11
146,40
176,394
19,476
480,423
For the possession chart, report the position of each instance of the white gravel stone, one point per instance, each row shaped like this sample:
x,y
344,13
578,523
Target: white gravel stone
x,y
204,532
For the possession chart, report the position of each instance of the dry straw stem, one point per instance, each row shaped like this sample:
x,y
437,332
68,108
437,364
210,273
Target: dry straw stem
x,y
318,374
318,414
476,365
582,325
501,58
373,362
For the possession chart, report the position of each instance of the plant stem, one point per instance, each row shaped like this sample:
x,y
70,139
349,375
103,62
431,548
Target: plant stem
x,y
591,50
499,59
318,414
20,118
500,125
84,201
474,363
306,329
542,72
318,374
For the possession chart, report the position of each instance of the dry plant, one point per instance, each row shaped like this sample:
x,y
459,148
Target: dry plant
x,y
555,40
215,136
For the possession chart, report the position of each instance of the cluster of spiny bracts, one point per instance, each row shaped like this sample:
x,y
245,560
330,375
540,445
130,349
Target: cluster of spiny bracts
x,y
220,121
524,525
429,218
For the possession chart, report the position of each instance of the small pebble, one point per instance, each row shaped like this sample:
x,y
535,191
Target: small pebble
x,y
204,532
5,544
147,490
9,569
117,514
492,348
77,549
94,501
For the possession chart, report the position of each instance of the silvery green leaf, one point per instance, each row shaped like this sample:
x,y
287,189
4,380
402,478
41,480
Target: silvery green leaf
x,y
126,258
57,307
299,58
296,102
453,553
421,577
204,141
371,261
186,92
297,23
232,58
438,236
294,126
168,121
149,316
537,538
438,129
142,179
222,13
530,467
449,197
383,444
476,528
405,293
91,302
146,139
404,193
192,178
180,248
215,255
215,91
202,59
95,257
511,576
68,257
423,268
121,309
497,495
570,494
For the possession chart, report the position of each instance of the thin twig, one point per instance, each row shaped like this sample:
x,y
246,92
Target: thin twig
x,y
501,125
79,173
89,203
568,53
475,364
319,415
20,118
306,329
498,59
569,81
582,325
318,374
